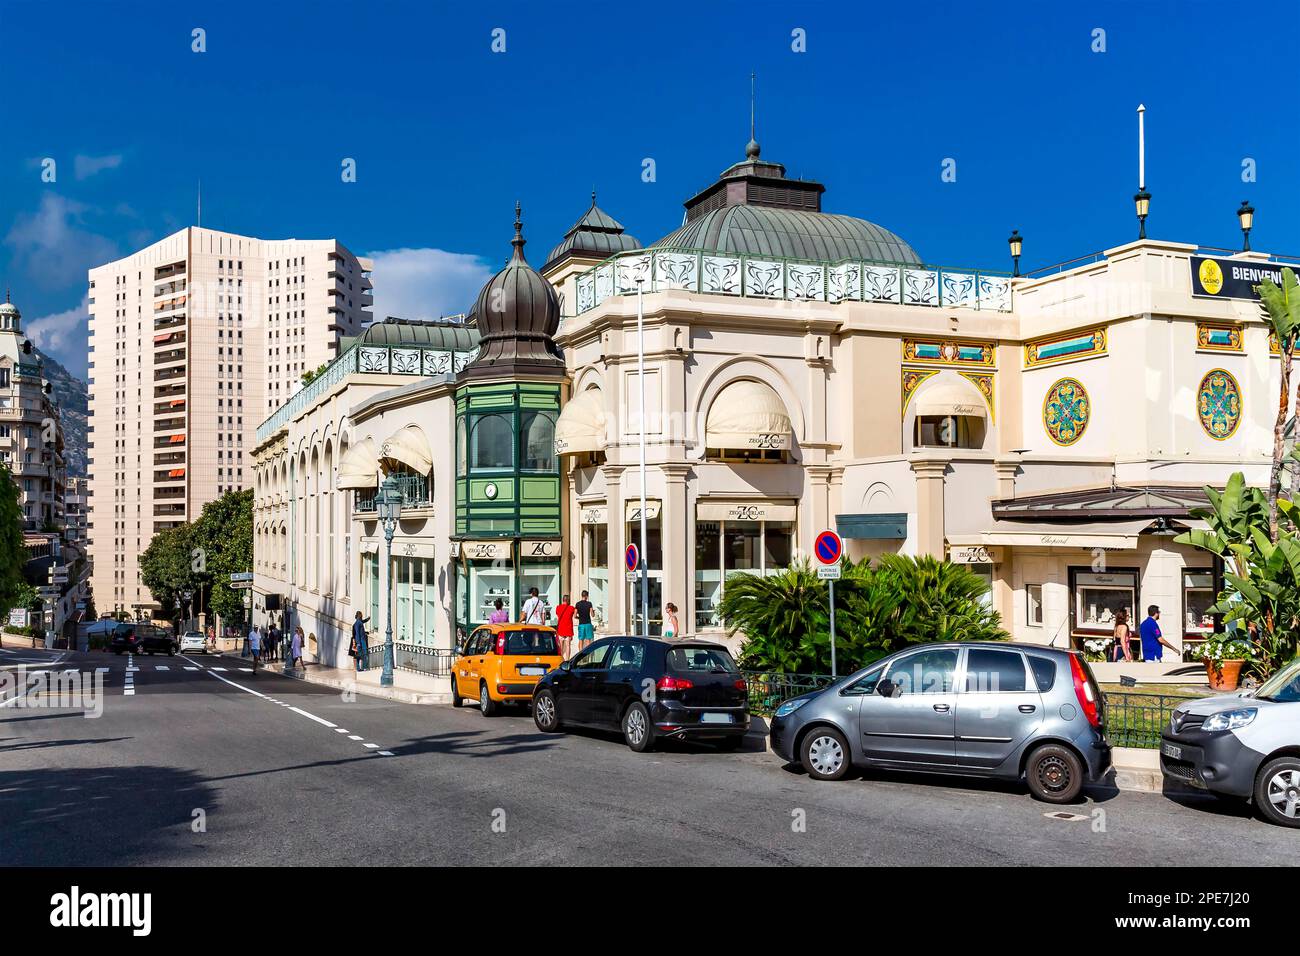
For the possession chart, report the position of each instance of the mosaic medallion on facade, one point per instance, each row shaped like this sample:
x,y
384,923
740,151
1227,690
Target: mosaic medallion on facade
x,y
1066,411
985,384
1212,337
1065,348
1218,404
948,352
912,379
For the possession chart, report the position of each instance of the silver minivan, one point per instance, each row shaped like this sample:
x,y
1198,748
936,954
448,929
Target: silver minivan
x,y
995,709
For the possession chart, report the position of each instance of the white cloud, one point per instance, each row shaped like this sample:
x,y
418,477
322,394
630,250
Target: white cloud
x,y
62,334
425,283
83,167
51,246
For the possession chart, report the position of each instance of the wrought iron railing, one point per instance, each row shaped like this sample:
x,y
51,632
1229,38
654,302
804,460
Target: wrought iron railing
x,y
805,280
412,658
414,489
1136,720
768,691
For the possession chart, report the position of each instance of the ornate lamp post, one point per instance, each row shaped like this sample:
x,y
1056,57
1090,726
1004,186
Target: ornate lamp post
x,y
1015,243
1142,202
388,507
1246,213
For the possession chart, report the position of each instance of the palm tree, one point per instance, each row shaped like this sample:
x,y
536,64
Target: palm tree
x,y
1281,308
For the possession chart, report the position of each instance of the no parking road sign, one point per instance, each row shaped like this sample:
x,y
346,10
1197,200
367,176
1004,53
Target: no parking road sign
x,y
632,557
828,549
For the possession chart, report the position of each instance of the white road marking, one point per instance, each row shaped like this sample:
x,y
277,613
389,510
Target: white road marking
x,y
320,720
385,753
222,669
191,668
242,670
339,730
129,692
161,667
355,737
371,746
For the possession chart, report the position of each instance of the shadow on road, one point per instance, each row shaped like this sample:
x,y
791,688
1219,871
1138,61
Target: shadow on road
x,y
103,816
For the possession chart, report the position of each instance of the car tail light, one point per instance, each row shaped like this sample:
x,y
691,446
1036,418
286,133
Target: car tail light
x,y
501,688
501,644
673,683
1083,690
741,685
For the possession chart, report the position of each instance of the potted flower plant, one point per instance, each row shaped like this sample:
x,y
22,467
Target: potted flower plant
x,y
1224,655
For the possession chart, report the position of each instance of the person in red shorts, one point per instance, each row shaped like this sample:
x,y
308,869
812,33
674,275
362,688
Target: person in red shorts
x,y
564,625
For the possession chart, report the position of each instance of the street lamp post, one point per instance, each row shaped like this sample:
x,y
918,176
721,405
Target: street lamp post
x,y
1246,214
388,506
640,375
1015,243
1142,203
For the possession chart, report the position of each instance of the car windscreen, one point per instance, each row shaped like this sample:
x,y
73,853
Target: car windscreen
x,y
701,660
1283,687
530,642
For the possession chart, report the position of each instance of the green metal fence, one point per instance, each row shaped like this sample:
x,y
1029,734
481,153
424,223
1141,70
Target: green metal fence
x,y
1136,720
768,691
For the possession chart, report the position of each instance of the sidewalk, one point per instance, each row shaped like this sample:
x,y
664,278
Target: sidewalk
x,y
408,688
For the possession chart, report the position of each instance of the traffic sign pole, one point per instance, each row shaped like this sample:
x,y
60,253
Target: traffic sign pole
x,y
831,584
828,549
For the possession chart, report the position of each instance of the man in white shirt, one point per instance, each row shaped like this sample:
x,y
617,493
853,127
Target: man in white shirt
x,y
534,609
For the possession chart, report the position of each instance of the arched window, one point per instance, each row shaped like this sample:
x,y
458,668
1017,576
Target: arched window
x,y
492,444
537,441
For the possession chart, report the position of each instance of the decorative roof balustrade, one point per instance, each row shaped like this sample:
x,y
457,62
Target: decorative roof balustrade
x,y
698,270
361,358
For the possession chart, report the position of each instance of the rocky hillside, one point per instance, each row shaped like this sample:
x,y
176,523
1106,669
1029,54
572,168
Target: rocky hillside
x,y
73,395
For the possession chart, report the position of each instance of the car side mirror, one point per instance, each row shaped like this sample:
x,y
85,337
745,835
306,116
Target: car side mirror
x,y
887,688
566,665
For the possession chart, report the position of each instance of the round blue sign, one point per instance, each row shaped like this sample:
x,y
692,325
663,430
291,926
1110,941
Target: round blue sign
x,y
632,557
828,547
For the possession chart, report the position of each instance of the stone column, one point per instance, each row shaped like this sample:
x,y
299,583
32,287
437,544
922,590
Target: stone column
x,y
1005,471
929,506
676,522
817,515
616,613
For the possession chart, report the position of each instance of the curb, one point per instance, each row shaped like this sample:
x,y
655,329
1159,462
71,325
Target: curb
x,y
366,690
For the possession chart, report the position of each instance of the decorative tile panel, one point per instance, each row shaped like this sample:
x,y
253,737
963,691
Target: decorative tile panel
x,y
881,284
1065,348
405,361
763,278
1216,337
604,282
913,378
586,292
958,288
676,270
437,363
1066,411
984,382
805,282
995,293
845,282
629,270
1218,404
721,275
373,359
949,352
920,287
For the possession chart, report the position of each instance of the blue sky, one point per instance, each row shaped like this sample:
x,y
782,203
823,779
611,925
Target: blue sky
x,y
447,134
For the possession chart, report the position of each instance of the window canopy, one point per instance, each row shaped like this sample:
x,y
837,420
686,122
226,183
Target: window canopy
x,y
409,446
951,399
747,415
581,427
359,467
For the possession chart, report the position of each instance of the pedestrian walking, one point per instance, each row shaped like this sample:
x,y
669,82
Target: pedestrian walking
x,y
671,627
295,648
499,614
255,646
1122,649
586,630
1153,640
534,609
359,650
272,642
564,625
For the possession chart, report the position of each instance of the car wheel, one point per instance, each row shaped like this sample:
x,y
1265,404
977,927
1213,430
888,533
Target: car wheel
x,y
1277,791
1054,774
545,713
638,731
485,702
456,699
825,754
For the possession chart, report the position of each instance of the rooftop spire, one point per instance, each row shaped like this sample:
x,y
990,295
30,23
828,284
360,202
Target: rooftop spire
x,y
751,148
518,241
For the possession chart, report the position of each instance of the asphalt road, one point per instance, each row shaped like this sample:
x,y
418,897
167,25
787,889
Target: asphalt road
x,y
203,763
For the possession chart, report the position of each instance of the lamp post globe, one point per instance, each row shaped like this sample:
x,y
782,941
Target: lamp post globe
x,y
1015,242
388,507
1142,204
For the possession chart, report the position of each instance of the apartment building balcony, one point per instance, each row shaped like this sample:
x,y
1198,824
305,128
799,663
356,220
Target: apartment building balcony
x,y
171,305
169,373
169,441
170,491
169,475
169,458
169,270
169,424
169,391
170,287
173,407
169,511
172,338
172,355
175,320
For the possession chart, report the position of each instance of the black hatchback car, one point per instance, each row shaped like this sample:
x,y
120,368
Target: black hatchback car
x,y
648,689
143,639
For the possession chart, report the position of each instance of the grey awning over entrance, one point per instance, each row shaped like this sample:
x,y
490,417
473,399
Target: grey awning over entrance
x,y
1096,504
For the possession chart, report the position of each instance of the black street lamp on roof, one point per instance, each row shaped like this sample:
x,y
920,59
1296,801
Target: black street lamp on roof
x,y
1246,214
1015,242
1142,202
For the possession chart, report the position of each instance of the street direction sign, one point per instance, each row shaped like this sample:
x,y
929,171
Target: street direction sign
x,y
241,576
829,572
632,557
828,547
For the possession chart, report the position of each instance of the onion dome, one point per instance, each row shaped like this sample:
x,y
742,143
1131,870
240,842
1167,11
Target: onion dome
x,y
517,314
597,235
10,317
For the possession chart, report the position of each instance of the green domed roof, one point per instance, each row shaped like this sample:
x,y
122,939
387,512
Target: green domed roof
x,y
790,234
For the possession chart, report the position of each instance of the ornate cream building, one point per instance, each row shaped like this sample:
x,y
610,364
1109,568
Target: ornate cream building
x,y
807,370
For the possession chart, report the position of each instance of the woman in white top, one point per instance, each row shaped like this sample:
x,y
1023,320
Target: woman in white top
x,y
671,627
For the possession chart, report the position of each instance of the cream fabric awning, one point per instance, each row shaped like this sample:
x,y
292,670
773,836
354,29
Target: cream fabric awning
x,y
951,399
359,467
409,446
581,426
717,510
1099,534
747,415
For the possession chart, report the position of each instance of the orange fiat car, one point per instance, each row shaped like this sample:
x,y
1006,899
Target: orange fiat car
x,y
500,663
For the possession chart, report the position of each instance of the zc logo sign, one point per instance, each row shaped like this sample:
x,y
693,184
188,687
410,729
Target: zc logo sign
x,y
767,441
746,513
